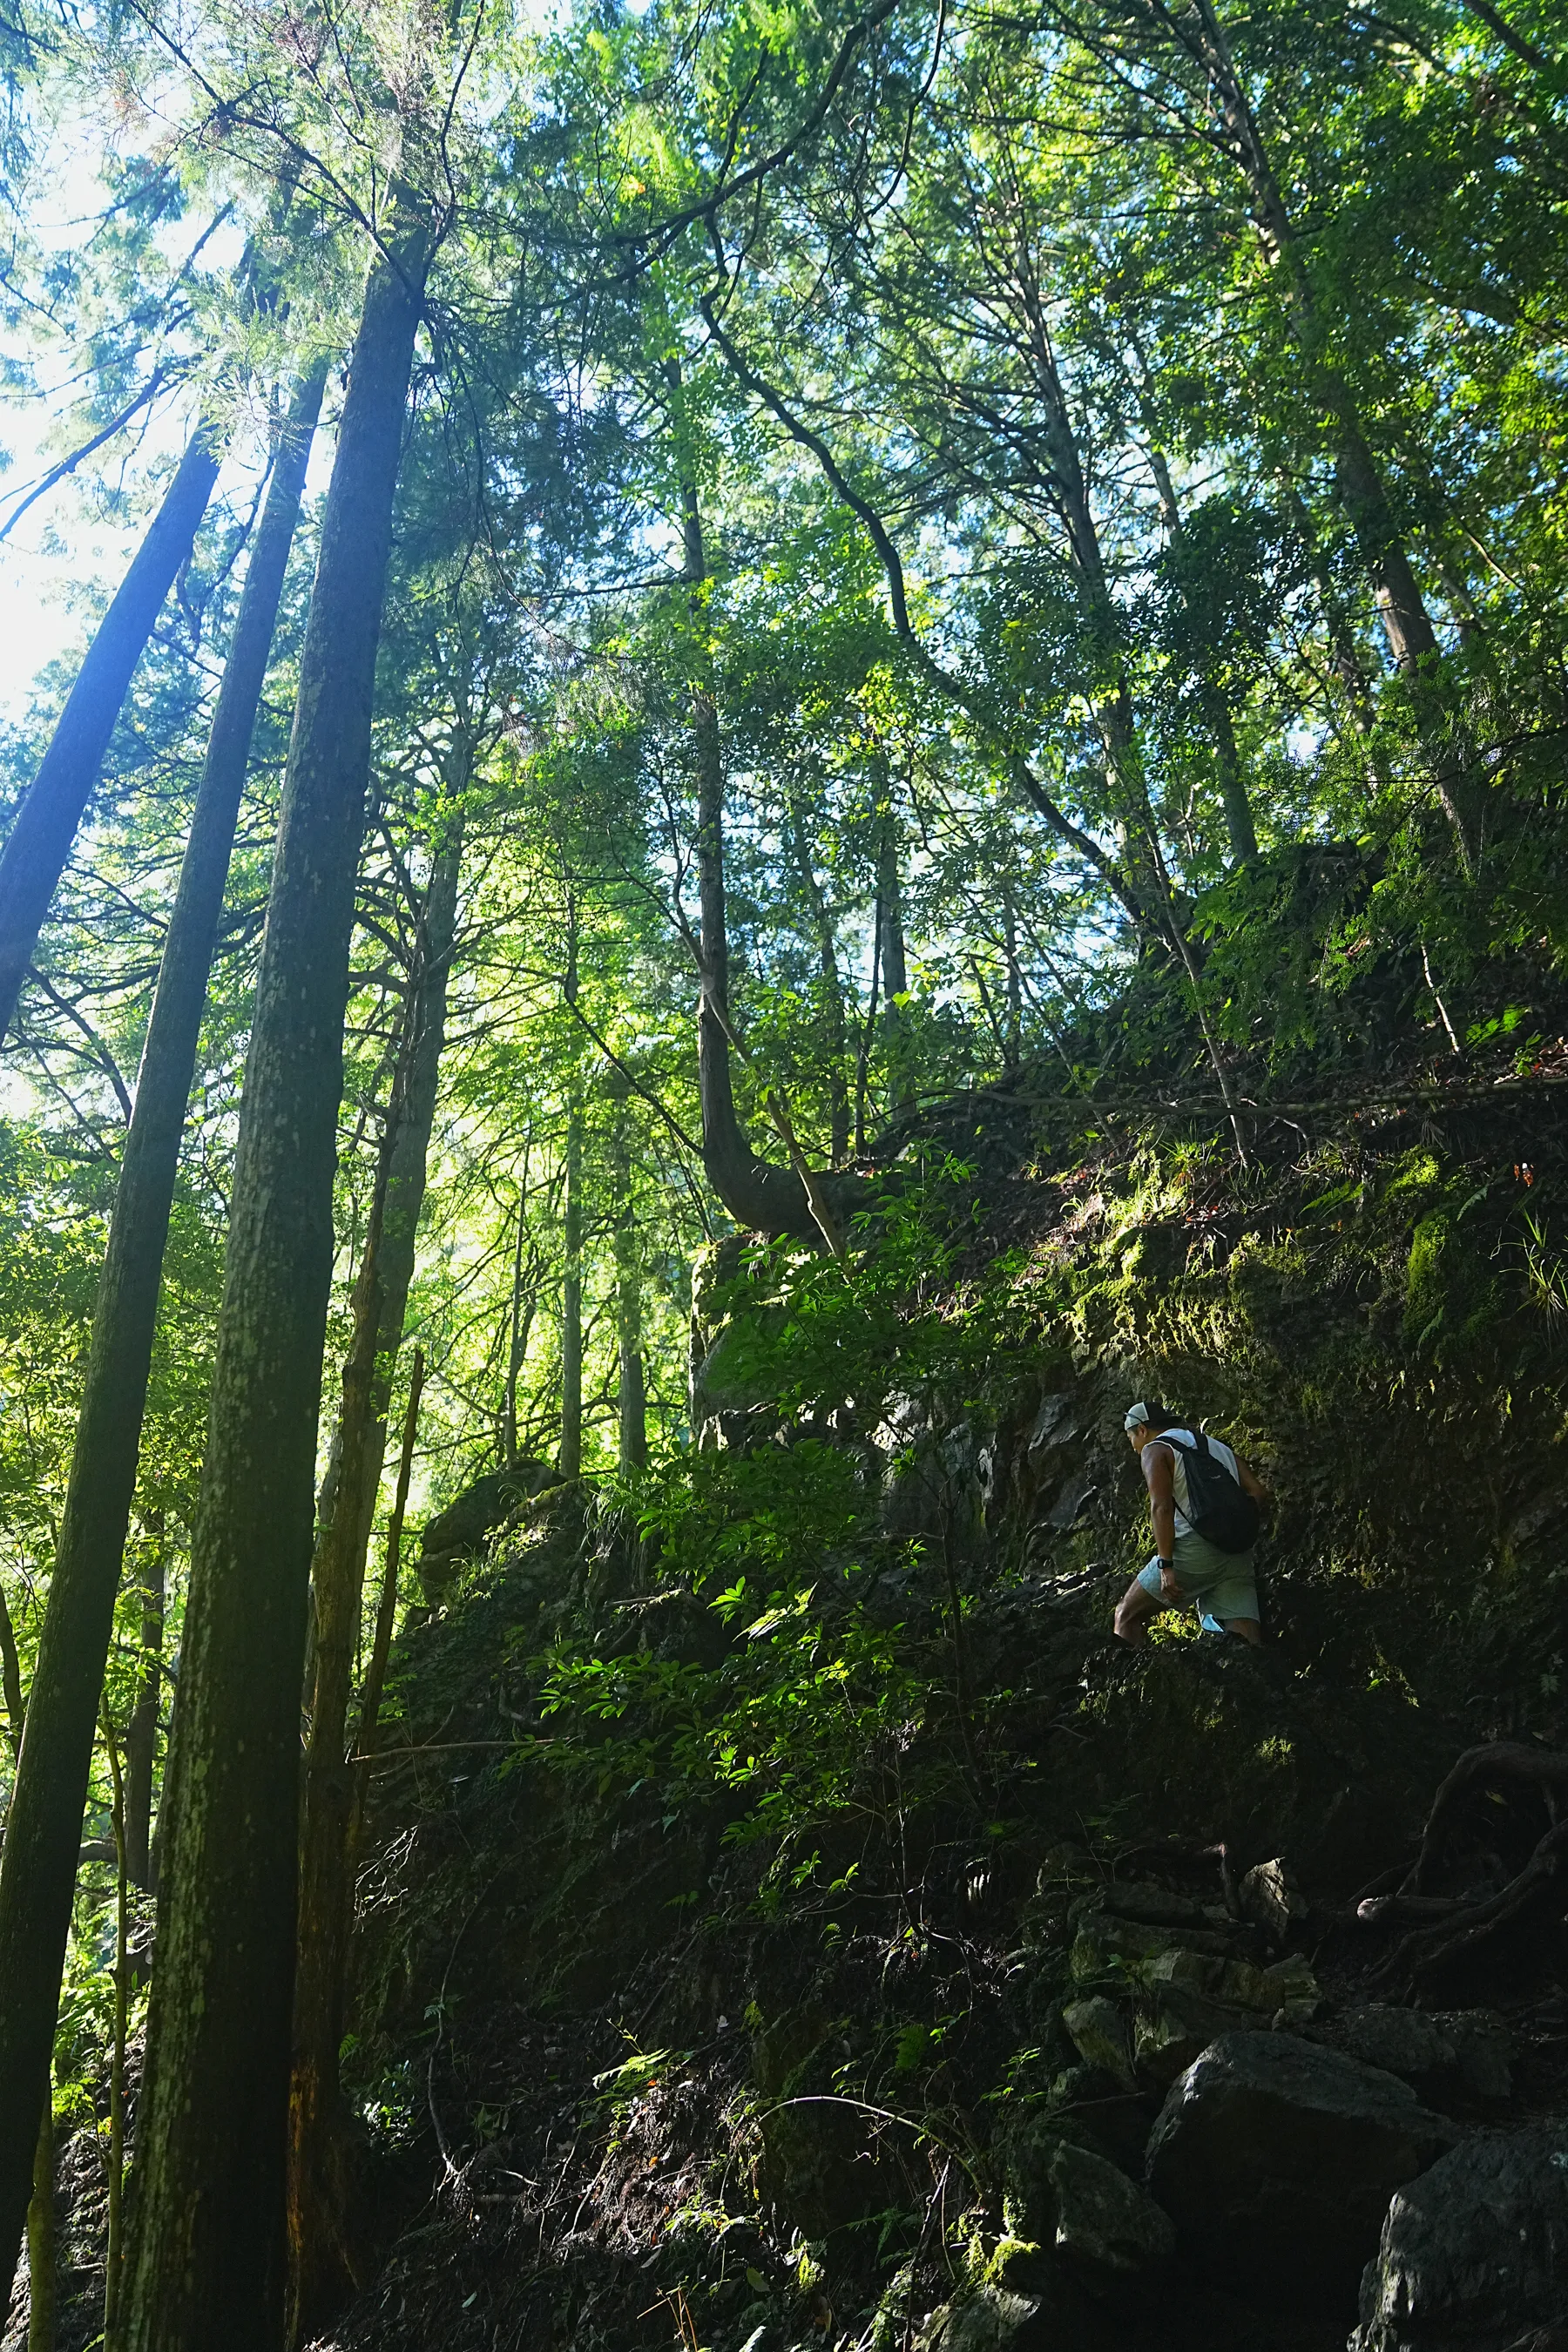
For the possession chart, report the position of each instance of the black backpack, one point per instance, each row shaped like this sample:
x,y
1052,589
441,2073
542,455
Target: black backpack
x,y
1219,1508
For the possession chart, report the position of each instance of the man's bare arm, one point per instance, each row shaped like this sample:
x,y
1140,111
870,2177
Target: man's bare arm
x,y
1162,1513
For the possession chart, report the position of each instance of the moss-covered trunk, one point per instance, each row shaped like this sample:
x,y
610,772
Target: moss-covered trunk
x,y
322,2222
208,2258
37,1867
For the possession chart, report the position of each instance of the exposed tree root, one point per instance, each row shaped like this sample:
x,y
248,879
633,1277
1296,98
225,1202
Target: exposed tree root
x,y
1454,1924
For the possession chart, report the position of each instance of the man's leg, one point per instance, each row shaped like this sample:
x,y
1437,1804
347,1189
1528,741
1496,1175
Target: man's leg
x,y
1248,1627
1137,1604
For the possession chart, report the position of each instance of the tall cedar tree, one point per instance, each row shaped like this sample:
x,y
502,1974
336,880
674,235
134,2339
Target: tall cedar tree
x,y
39,1861
208,2263
45,826
323,2222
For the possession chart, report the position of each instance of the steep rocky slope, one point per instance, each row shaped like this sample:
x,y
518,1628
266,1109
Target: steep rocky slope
x,y
796,1920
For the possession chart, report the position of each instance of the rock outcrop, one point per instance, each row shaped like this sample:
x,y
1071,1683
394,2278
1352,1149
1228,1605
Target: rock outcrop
x,y
1474,2254
1109,2234
1461,2057
461,1530
1277,2159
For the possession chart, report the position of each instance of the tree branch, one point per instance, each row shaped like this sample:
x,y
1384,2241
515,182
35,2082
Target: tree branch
x,y
68,465
931,669
101,1052
663,234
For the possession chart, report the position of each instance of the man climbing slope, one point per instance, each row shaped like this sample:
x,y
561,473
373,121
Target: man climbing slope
x,y
1206,1508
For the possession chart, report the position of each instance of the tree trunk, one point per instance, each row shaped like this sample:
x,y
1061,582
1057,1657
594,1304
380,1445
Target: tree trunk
x,y
10,1677
891,946
141,1732
1113,713
1412,639
570,1460
369,1725
208,2260
323,2222
868,1030
832,987
1235,799
1212,698
38,1866
755,1191
517,1328
45,826
42,2279
1012,1026
632,1400
1411,636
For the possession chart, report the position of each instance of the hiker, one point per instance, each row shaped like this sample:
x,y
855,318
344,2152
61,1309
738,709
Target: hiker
x,y
1206,1508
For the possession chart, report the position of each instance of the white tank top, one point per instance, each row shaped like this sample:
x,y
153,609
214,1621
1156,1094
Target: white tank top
x,y
1179,1496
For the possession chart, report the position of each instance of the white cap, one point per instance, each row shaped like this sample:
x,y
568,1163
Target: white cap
x,y
1137,1414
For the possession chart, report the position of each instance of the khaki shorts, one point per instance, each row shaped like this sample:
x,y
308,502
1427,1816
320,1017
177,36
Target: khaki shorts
x,y
1218,1583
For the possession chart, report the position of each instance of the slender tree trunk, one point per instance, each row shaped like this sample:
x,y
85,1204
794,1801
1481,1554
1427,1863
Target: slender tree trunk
x,y
1140,858
1212,698
890,945
10,1677
38,1866
367,1729
1345,655
834,1023
1411,636
141,1732
45,826
114,2246
572,1295
517,1330
1012,1026
1127,788
1235,799
755,1191
1412,639
42,2282
632,1397
868,1030
208,2236
632,1400
324,2264
387,1607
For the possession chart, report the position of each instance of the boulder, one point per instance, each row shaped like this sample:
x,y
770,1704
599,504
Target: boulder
x,y
1483,2048
672,1624
1089,2109
1157,1906
1106,1945
1099,2034
1270,1896
1474,2254
1108,2232
1276,2158
460,1531
1092,2108
989,2319
1021,2300
1186,2001
1440,2052
1173,2026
